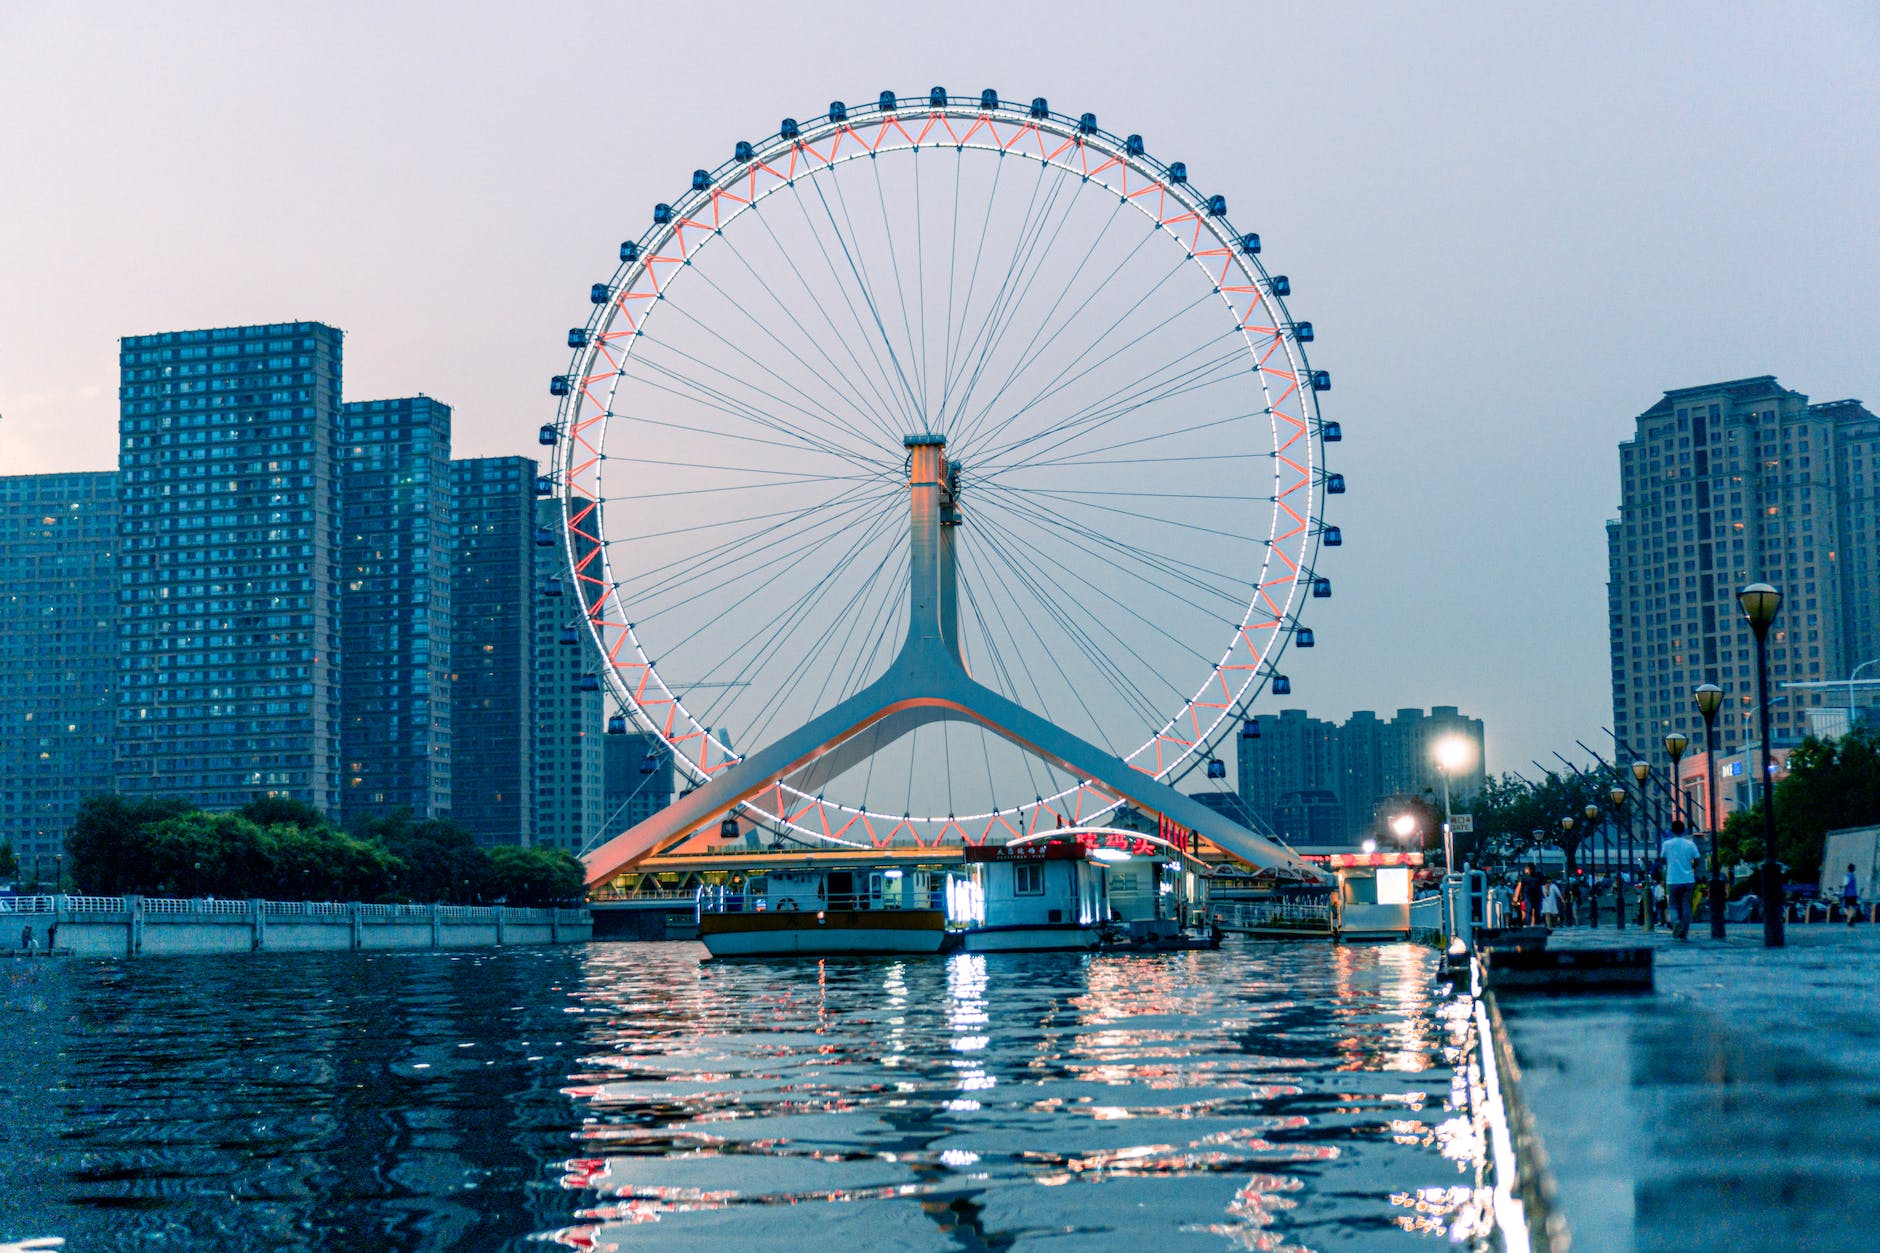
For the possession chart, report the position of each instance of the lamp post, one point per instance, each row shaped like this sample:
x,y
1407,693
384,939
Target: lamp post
x,y
1641,773
1851,676
1452,753
1759,603
1675,744
1616,794
1709,698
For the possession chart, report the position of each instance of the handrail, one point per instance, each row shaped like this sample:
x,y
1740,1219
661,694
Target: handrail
x,y
217,907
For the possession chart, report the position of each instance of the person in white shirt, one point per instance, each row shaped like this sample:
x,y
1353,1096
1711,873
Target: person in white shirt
x,y
1550,904
1681,855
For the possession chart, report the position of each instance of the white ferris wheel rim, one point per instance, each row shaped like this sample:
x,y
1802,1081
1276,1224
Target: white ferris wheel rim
x,y
1193,221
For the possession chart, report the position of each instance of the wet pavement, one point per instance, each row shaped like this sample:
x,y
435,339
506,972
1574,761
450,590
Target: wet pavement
x,y
1737,1108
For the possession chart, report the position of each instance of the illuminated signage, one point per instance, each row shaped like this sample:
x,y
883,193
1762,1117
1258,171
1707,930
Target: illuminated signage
x,y
1341,861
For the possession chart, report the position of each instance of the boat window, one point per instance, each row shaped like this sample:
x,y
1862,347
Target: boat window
x,y
1028,878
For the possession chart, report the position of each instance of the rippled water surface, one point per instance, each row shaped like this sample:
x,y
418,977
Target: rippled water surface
x,y
641,1096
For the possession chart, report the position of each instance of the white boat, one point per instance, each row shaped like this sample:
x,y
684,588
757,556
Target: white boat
x,y
825,910
1032,894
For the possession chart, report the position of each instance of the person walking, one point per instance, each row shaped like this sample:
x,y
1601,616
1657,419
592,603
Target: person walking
x,y
1550,904
1850,895
1680,857
1527,895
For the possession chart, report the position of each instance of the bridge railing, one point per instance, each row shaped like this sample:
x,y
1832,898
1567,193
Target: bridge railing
x,y
71,906
1245,915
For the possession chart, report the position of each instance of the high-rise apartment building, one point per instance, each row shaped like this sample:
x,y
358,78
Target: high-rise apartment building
x,y
1721,486
568,759
492,697
58,656
1291,752
396,557
228,535
639,780
1316,782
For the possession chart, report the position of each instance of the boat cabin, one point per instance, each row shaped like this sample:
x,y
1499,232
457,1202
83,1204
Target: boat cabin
x,y
1031,894
1372,900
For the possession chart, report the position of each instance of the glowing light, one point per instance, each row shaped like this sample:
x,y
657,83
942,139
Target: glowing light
x,y
1403,826
1453,752
1109,854
1370,846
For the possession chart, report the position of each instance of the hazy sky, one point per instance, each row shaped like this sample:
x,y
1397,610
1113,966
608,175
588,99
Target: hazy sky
x,y
1512,227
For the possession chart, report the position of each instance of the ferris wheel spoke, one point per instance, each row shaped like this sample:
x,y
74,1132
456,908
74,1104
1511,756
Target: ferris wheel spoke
x,y
774,640
956,335
867,292
1004,671
1020,269
753,411
877,412
1157,437
1049,603
1066,378
1100,659
1069,374
1105,551
918,388
809,405
693,392
778,556
1032,350
1139,394
798,668
740,438
893,399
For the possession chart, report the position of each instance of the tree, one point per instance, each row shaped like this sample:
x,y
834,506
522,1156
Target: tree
x,y
533,876
441,860
108,842
1831,784
269,811
9,861
1509,810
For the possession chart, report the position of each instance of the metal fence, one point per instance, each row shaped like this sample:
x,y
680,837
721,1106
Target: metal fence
x,y
1238,915
205,907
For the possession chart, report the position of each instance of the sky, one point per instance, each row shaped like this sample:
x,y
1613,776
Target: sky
x,y
1513,227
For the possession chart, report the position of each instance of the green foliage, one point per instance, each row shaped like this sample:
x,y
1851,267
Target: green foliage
x,y
9,861
109,843
273,811
441,860
533,876
1510,810
285,850
1831,784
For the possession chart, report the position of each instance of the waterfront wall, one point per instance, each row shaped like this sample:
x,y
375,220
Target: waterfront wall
x,y
133,926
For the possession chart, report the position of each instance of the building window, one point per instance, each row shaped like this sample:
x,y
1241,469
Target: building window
x,y
1028,878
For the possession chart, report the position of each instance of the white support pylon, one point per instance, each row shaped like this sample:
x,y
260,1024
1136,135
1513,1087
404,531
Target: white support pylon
x,y
926,683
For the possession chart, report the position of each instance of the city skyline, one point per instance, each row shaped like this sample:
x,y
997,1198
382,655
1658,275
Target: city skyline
x,y
1474,525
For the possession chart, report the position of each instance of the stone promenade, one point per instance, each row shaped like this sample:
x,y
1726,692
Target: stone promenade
x,y
1737,1109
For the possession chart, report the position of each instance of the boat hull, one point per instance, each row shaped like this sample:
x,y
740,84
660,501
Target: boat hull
x,y
1039,937
829,932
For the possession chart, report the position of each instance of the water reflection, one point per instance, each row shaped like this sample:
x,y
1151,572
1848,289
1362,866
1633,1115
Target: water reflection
x,y
1270,1097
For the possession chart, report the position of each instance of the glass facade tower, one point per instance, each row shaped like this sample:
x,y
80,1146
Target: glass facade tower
x,y
492,652
568,758
1720,486
395,609
228,535
58,656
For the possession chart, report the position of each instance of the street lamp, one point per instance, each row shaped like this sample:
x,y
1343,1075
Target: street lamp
x,y
1759,603
1616,794
1675,744
1709,698
1403,825
1641,773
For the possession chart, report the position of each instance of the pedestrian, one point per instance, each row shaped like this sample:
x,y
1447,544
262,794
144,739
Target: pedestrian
x,y
1850,895
52,939
1527,895
26,937
1550,905
1680,855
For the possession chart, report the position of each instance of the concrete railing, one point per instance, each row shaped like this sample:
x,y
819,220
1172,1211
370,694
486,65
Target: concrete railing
x,y
130,925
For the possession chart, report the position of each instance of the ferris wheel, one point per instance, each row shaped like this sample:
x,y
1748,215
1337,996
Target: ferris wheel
x,y
1091,374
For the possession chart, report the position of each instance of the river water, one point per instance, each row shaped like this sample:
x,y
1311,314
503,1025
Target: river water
x,y
1265,1096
